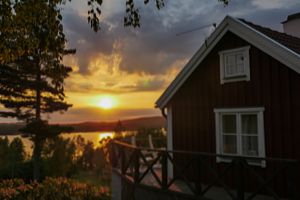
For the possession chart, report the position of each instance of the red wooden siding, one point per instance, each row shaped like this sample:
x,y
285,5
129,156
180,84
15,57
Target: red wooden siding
x,y
272,86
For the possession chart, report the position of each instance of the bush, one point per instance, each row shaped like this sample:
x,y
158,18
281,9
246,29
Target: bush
x,y
51,188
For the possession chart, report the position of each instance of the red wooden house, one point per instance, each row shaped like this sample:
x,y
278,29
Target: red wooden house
x,y
239,95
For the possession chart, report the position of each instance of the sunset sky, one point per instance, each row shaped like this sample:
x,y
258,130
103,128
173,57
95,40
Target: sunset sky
x,y
130,67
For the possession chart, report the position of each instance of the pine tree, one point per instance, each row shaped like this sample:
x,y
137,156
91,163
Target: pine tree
x,y
32,83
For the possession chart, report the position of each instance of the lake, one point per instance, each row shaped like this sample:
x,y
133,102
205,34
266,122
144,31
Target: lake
x,y
94,137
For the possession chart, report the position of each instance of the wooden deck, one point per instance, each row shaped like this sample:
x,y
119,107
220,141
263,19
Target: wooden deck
x,y
216,193
143,178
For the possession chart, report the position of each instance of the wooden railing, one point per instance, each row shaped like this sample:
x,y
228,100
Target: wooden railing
x,y
200,174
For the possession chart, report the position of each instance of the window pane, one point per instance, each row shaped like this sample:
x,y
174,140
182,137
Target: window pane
x,y
229,124
230,59
249,124
240,63
250,145
230,66
229,144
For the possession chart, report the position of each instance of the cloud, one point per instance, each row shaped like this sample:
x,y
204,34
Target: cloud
x,y
151,49
154,48
87,43
152,84
126,61
275,4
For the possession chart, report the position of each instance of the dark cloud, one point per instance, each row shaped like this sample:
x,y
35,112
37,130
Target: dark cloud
x,y
146,84
154,84
87,87
151,49
87,43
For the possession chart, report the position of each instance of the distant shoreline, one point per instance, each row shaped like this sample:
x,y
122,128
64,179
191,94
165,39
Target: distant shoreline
x,y
127,125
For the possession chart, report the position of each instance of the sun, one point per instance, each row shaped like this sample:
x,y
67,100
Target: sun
x,y
106,103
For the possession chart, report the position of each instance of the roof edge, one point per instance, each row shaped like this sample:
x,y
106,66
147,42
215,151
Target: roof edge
x,y
186,71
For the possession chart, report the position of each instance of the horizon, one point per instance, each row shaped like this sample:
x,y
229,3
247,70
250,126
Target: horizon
x,y
95,121
119,72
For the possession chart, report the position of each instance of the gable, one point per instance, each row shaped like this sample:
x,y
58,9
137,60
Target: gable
x,y
268,45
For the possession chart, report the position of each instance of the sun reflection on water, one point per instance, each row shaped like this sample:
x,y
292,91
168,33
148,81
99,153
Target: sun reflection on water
x,y
106,135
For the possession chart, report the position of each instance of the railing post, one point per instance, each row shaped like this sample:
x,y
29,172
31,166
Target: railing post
x,y
240,178
292,178
112,153
123,161
198,174
136,166
164,168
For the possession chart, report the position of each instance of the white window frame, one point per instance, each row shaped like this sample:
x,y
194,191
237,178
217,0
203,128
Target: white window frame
x,y
261,136
238,77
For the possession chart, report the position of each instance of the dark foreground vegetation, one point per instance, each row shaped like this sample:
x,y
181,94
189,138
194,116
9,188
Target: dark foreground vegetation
x,y
70,168
60,157
84,168
51,189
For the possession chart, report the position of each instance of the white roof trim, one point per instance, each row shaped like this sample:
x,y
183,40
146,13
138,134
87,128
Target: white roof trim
x,y
249,34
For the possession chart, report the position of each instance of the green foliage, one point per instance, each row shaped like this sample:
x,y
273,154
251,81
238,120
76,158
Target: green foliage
x,y
58,157
12,156
51,189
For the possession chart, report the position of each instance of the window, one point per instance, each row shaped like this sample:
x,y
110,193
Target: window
x,y
234,65
240,132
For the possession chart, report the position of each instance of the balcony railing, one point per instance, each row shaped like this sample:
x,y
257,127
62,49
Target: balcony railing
x,y
198,175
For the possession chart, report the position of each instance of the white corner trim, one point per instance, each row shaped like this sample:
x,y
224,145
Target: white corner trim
x,y
217,127
278,51
170,139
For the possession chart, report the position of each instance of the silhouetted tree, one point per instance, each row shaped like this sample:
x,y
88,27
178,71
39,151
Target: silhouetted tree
x,y
12,156
59,157
16,155
87,155
32,83
119,127
4,154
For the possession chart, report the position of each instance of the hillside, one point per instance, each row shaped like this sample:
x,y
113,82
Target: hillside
x,y
128,124
10,128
